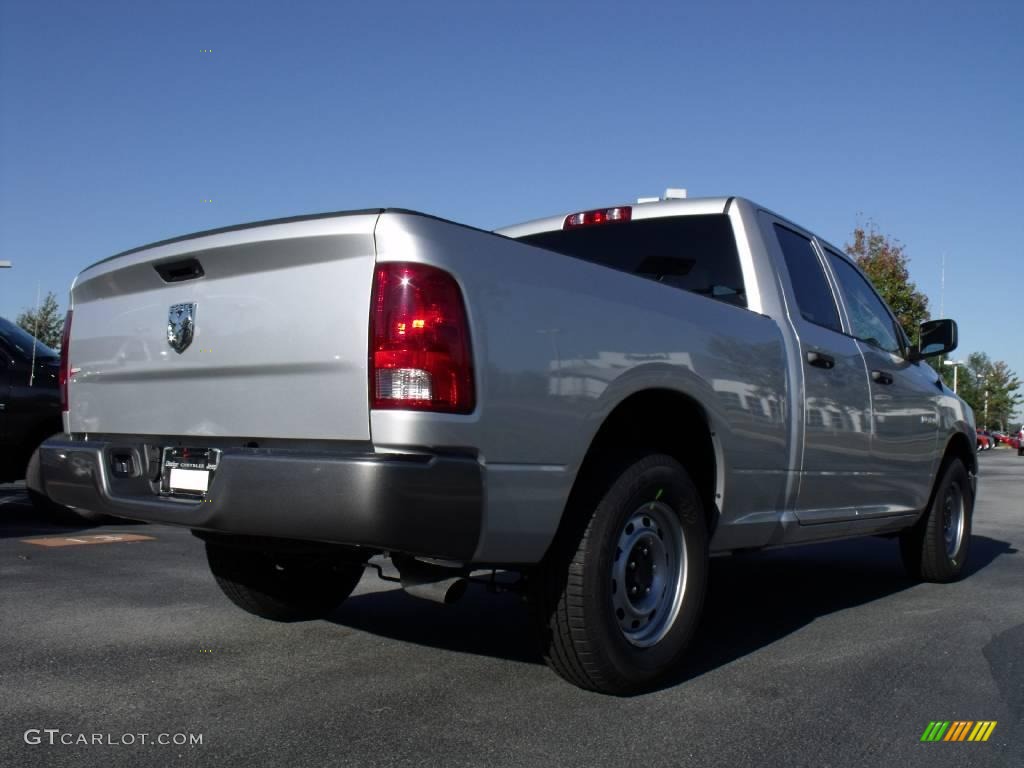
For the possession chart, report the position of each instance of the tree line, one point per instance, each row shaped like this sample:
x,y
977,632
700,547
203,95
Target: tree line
x,y
989,386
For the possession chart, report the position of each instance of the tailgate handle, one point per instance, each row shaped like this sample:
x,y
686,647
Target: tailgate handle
x,y
177,271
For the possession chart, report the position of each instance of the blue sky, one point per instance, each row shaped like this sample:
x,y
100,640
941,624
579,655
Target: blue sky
x,y
115,126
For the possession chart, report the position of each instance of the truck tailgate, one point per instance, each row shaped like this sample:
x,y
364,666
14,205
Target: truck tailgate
x,y
279,341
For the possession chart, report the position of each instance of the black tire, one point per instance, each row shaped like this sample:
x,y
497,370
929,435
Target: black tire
x,y
282,587
577,600
46,507
937,547
53,512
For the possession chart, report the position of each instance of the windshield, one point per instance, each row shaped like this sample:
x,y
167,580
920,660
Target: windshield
x,y
20,342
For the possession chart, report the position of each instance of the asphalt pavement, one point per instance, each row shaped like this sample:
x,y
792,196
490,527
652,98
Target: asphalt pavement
x,y
825,655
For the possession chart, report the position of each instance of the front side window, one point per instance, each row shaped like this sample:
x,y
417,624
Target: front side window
x,y
870,320
695,253
813,294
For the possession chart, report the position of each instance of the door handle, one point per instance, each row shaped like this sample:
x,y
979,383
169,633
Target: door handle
x,y
821,360
882,377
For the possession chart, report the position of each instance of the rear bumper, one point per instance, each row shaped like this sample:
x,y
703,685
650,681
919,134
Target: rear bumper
x,y
422,505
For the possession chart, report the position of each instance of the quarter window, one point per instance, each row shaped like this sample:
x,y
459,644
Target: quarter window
x,y
813,294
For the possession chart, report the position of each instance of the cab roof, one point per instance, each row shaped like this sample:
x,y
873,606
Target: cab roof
x,y
676,207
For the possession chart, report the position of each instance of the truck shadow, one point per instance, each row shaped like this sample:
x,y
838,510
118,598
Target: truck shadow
x,y
753,600
18,518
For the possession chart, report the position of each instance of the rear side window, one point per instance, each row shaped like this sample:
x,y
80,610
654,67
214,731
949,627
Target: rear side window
x,y
813,294
695,253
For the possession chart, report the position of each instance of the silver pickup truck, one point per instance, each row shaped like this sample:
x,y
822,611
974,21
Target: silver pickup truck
x,y
588,405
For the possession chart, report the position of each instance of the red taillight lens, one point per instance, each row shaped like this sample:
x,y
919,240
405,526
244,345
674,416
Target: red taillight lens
x,y
65,351
600,216
420,356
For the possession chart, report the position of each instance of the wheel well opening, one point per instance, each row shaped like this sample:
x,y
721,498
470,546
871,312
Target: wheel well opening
x,y
653,421
960,447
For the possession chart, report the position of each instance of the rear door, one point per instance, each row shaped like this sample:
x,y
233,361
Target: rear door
x,y
837,469
904,395
6,368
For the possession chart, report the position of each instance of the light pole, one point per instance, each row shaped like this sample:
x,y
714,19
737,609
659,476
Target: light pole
x,y
956,367
983,377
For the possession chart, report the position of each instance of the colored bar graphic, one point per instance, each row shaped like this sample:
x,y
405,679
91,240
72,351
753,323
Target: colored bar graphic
x,y
958,730
982,730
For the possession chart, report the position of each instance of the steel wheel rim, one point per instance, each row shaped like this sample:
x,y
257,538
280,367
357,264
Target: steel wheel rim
x,y
953,520
648,574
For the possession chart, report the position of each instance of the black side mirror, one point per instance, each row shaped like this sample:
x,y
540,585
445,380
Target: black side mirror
x,y
937,338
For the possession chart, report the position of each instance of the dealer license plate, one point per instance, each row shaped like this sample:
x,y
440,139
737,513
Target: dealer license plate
x,y
187,471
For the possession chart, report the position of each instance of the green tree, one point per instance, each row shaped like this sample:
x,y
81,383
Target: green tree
x,y
885,263
972,373
45,323
1004,396
984,382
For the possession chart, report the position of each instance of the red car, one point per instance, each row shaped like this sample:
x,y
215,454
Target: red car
x,y
984,443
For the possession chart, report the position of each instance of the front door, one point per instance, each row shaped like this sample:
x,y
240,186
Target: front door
x,y
904,395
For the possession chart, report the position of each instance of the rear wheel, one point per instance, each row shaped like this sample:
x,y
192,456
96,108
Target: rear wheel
x,y
936,548
282,587
46,507
58,514
618,597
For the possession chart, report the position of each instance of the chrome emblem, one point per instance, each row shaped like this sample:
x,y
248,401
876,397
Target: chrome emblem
x,y
181,322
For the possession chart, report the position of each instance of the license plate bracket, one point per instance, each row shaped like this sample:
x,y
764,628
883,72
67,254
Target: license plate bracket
x,y
187,472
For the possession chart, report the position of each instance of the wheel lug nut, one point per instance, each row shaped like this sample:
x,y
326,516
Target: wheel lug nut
x,y
647,590
632,591
632,564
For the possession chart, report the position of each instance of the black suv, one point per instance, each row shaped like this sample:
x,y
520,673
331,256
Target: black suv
x,y
29,399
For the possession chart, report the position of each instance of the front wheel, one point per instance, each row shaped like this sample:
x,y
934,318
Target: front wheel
x,y
282,587
618,597
936,548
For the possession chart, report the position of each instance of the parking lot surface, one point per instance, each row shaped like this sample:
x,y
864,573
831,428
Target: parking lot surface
x,y
825,655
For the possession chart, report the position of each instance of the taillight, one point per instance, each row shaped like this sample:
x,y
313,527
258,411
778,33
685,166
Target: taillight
x,y
420,356
600,216
65,349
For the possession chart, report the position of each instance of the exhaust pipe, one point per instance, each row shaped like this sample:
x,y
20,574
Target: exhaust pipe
x,y
430,582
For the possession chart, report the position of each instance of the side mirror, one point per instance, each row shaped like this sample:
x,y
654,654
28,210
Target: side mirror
x,y
937,338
